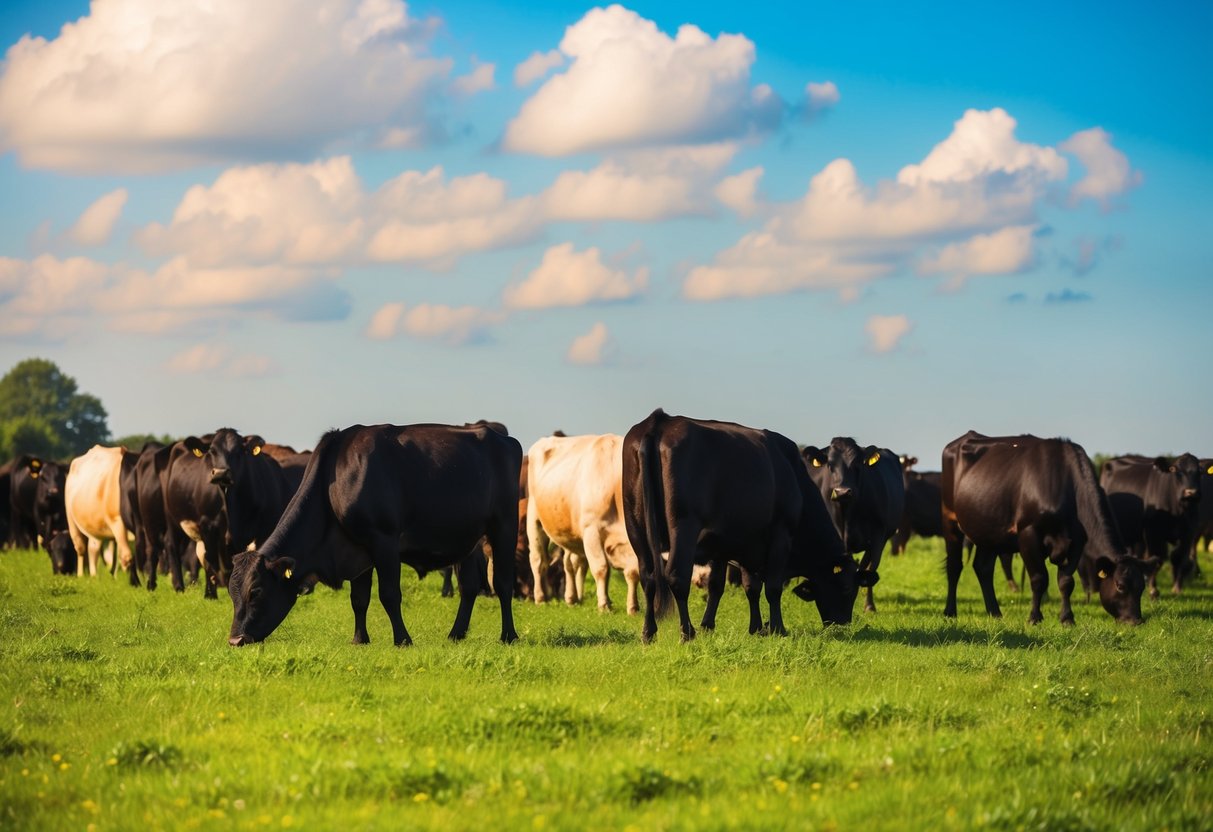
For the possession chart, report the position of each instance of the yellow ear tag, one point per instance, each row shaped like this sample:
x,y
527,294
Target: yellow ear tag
x,y
35,464
256,450
198,452
837,570
287,574
1210,471
1102,574
873,459
33,475
816,463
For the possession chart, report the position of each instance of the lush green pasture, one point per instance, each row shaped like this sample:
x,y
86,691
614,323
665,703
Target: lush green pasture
x,y
127,710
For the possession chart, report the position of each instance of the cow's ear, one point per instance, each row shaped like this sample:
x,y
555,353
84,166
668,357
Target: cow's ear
x,y
1104,567
1162,463
866,577
871,455
254,444
195,446
284,568
803,591
813,456
1209,470
34,467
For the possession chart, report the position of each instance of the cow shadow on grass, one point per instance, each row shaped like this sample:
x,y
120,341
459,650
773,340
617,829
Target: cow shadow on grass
x,y
567,638
949,634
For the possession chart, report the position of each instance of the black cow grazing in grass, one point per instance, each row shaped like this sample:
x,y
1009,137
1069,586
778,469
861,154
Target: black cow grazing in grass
x,y
713,492
864,491
224,493
1156,502
1038,497
374,497
62,552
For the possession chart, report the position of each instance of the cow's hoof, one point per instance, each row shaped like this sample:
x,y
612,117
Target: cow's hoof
x,y
1068,621
408,642
509,637
456,635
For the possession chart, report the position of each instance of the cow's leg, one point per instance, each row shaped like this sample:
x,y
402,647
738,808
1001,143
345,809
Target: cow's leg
x,y
538,541
469,587
715,592
1005,559
94,554
448,582
595,556
360,601
574,576
80,543
124,555
1038,574
751,583
387,571
631,576
983,565
870,562
954,565
684,539
501,540
649,630
175,544
210,565
1181,564
1065,587
777,558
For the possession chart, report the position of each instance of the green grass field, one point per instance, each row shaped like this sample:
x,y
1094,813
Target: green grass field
x,y
121,709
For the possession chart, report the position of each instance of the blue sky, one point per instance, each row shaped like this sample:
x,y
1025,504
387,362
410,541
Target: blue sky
x,y
867,220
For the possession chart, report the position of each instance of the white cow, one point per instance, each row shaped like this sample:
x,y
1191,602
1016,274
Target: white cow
x,y
576,501
92,498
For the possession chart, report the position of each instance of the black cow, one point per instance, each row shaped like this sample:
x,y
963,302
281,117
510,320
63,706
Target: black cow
x,y
924,517
864,491
224,493
374,497
711,492
1156,503
1204,515
62,552
1038,497
36,500
6,484
151,532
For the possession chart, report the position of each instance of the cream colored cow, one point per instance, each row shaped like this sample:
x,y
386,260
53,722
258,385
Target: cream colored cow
x,y
92,498
575,499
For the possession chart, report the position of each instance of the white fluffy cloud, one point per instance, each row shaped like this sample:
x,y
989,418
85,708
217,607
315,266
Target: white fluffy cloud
x,y
594,347
886,331
1108,171
640,186
320,214
571,278
220,360
96,224
968,208
740,191
451,325
820,97
629,84
536,66
148,85
479,79
1005,251
51,299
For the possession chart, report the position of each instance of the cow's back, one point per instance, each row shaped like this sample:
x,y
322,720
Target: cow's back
x,y
92,496
575,481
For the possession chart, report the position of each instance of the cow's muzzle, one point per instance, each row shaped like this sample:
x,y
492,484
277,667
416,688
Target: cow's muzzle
x,y
841,495
1189,494
239,641
221,477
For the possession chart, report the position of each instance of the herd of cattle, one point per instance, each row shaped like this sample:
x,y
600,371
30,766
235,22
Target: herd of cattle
x,y
676,501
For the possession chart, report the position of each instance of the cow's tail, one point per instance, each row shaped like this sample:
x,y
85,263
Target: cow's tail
x,y
653,494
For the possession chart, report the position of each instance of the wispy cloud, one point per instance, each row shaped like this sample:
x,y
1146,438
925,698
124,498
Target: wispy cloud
x,y
886,331
594,348
96,224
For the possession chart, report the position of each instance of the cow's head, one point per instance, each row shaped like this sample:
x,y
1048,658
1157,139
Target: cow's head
x,y
226,455
834,587
845,460
1183,477
1120,582
63,554
263,591
51,478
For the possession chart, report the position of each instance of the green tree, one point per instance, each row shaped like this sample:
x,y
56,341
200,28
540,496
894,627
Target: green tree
x,y
40,405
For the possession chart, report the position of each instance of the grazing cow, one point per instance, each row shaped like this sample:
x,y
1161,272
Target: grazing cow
x,y
374,497
711,492
575,501
1156,503
62,551
225,494
864,491
93,497
1037,497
